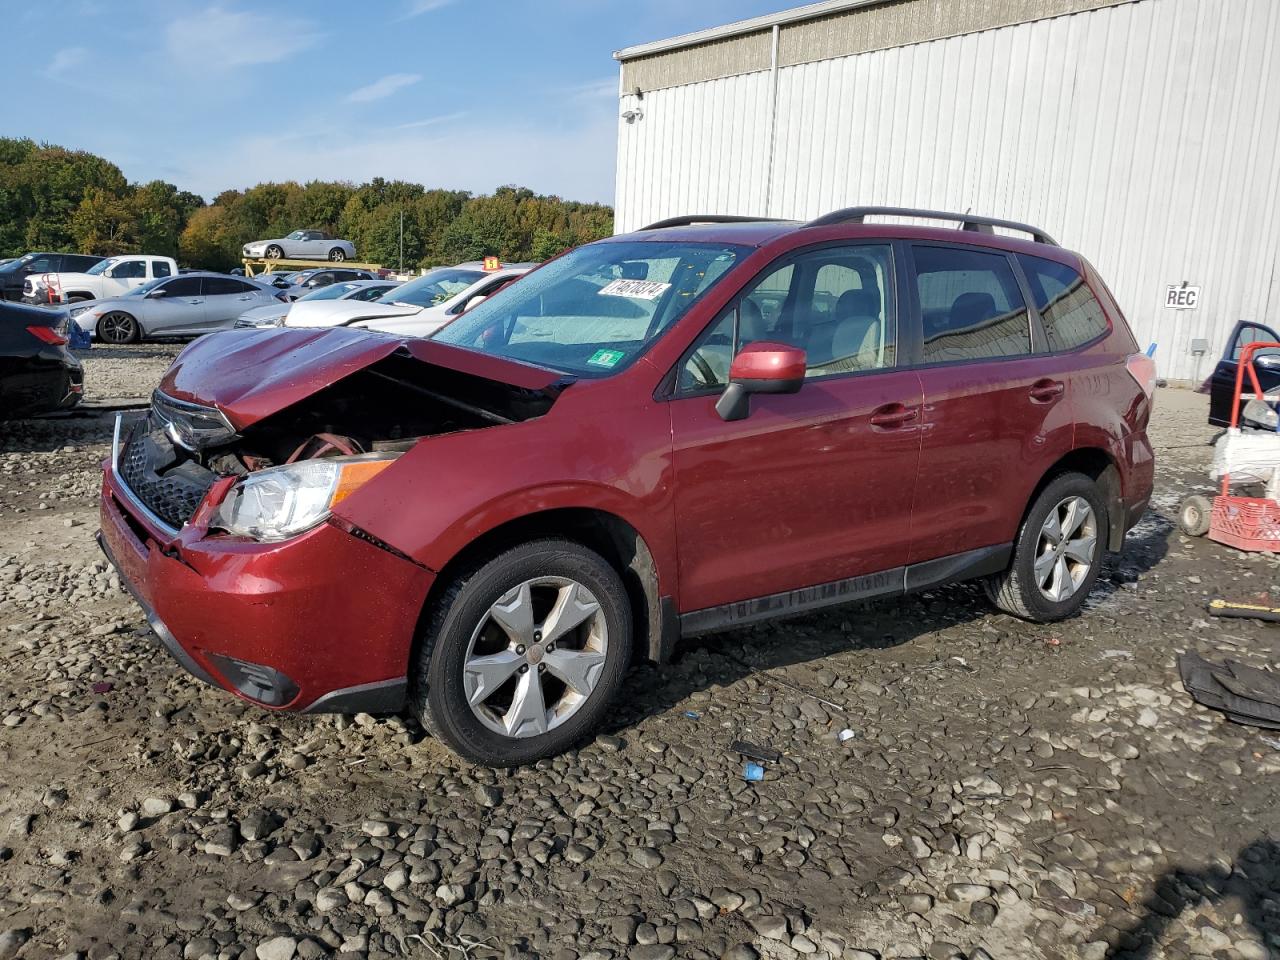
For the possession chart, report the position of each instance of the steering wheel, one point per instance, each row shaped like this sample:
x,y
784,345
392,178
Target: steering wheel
x,y
704,371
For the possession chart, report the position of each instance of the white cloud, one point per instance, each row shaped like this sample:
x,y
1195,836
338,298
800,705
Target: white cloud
x,y
432,121
595,90
64,60
416,8
383,87
221,39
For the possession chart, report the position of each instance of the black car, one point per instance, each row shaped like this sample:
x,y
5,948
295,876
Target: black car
x,y
13,273
307,280
1221,384
38,374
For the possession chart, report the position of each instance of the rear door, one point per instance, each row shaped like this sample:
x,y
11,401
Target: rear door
x,y
1222,382
226,298
810,488
996,411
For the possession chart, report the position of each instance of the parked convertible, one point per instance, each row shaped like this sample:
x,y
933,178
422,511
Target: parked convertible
x,y
182,306
38,374
487,526
303,245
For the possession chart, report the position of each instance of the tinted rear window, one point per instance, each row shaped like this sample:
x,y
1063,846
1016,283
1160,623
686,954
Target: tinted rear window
x,y
1071,313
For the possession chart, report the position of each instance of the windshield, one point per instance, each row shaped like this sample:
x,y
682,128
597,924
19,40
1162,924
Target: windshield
x,y
17,264
432,288
101,267
146,288
335,291
296,235
595,309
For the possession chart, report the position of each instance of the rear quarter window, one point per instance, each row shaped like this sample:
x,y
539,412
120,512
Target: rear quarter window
x,y
1071,313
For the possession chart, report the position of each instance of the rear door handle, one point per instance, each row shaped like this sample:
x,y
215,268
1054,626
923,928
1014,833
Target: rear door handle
x,y
893,415
1046,391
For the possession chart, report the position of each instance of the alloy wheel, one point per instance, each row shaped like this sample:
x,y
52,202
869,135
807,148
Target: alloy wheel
x,y
337,256
1066,549
274,253
535,657
117,328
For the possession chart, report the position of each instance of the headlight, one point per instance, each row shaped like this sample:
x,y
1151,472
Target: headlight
x,y
77,311
254,322
282,502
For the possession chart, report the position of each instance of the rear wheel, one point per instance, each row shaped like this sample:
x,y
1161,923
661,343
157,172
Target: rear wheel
x,y
118,327
337,254
524,653
1193,516
1058,553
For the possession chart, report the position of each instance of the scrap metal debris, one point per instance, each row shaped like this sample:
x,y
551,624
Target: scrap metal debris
x,y
1247,611
1245,694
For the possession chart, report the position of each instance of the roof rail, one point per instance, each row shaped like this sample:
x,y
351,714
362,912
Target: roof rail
x,y
966,221
689,220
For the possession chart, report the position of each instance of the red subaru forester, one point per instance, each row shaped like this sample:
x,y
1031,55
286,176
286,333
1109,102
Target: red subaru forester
x,y
705,423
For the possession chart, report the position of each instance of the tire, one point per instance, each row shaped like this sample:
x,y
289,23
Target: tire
x,y
1017,590
337,255
118,327
77,298
273,253
463,627
1194,514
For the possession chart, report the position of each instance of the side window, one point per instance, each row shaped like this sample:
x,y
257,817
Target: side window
x,y
130,270
160,268
183,287
223,286
41,265
970,305
836,303
1071,313
1253,334
366,294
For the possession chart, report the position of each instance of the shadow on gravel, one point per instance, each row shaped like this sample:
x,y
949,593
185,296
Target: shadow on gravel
x,y
47,434
869,625
1251,882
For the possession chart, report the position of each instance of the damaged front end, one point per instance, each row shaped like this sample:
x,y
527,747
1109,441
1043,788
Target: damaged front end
x,y
287,469
215,504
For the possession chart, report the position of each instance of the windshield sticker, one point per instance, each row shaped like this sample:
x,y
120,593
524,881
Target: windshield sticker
x,y
610,358
635,289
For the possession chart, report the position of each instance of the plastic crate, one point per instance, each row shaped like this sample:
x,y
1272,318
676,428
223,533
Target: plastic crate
x,y
1246,523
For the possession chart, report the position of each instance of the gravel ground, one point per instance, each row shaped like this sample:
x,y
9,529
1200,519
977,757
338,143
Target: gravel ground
x,y
1012,791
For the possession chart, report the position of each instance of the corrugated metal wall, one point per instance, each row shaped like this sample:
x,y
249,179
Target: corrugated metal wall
x,y
1146,136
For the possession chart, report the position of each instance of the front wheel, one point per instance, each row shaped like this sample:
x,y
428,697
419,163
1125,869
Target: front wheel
x,y
337,254
274,253
524,654
118,327
1058,553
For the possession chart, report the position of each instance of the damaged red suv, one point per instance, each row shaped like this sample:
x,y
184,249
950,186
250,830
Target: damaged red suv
x,y
696,426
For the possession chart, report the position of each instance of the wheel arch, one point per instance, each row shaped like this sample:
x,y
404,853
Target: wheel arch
x,y
1101,467
69,295
654,621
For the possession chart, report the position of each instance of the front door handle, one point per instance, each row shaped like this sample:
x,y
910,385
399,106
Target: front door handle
x,y
1046,391
194,302
893,415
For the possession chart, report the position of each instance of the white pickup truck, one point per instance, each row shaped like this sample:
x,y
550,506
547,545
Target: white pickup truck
x,y
109,278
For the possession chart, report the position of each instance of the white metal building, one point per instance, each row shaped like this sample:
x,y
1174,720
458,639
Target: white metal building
x,y
1143,133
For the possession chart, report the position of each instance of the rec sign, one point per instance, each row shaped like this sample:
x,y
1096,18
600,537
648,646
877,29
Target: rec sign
x,y
1181,297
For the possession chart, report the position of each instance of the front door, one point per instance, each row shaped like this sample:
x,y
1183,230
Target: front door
x,y
180,310
996,415
810,488
1222,382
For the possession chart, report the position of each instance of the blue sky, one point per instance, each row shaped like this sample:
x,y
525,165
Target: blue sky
x,y
452,93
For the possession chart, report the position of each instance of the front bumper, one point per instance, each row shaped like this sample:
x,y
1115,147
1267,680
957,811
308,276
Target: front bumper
x,y
322,622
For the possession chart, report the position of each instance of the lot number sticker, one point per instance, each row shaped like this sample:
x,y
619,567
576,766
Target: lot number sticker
x,y
606,358
635,289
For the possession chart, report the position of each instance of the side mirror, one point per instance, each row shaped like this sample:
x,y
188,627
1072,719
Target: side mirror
x,y
760,367
156,293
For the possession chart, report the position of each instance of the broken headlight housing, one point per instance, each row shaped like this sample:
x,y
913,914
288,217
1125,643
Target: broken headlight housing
x,y
282,502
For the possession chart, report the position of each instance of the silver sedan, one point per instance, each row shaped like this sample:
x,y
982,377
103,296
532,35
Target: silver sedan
x,y
303,245
183,306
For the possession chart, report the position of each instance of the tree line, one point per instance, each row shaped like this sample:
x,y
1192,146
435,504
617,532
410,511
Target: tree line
x,y
52,198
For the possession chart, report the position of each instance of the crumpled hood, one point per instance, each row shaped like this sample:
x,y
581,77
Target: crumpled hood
x,y
251,374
